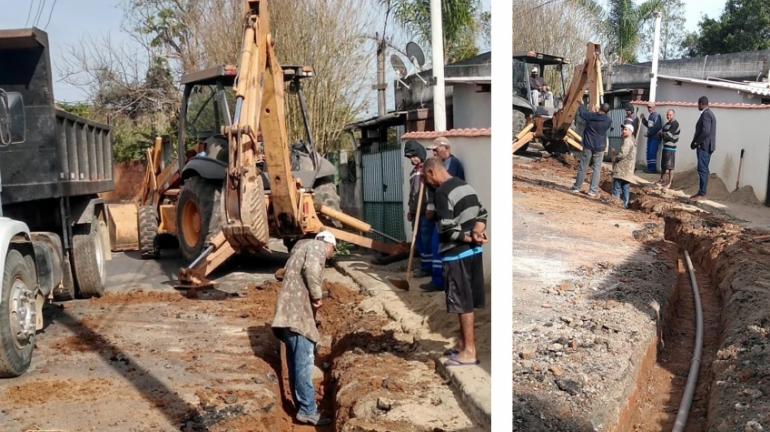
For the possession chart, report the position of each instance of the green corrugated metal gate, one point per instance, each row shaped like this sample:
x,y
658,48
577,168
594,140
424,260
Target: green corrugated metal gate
x,y
383,180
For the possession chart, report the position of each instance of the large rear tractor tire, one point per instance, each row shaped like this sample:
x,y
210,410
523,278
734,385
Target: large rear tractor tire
x,y
198,215
147,219
519,121
88,261
17,314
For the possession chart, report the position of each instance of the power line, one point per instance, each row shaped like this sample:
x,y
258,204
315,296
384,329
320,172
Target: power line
x,y
29,12
39,12
50,14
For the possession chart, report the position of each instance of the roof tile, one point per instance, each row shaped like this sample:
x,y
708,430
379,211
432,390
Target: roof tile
x,y
711,105
459,133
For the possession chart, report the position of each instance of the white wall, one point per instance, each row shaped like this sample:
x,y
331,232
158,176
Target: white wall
x,y
470,108
669,90
737,128
475,155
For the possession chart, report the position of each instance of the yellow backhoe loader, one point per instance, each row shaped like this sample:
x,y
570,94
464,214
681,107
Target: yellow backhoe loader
x,y
242,183
556,130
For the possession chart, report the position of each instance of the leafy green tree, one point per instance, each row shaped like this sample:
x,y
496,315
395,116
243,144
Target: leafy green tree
x,y
462,22
624,23
672,31
743,26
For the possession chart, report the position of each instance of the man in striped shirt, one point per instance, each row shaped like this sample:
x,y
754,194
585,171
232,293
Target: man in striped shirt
x,y
462,227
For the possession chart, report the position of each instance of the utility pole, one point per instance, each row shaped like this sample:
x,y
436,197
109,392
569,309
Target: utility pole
x,y
655,53
437,49
381,86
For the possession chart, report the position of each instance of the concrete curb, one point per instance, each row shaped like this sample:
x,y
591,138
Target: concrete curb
x,y
473,384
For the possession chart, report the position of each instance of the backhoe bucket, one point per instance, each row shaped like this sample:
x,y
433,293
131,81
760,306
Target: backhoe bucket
x,y
124,229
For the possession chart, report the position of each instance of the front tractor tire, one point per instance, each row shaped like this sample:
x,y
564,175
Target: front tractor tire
x,y
198,215
147,218
17,314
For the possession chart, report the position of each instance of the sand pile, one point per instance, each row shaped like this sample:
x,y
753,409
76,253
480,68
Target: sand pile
x,y
687,182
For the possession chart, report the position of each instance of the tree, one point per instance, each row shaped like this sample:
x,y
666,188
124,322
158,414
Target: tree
x,y
623,26
561,29
743,26
139,102
196,34
672,31
461,19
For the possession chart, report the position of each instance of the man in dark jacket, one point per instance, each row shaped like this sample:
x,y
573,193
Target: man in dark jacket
x,y
594,143
463,231
631,119
704,142
654,124
669,135
415,152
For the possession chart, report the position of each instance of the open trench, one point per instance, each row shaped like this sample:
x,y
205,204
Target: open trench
x,y
732,264
661,381
211,363
733,380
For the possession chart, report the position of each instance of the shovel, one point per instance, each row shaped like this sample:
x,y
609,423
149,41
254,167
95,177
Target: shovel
x,y
404,283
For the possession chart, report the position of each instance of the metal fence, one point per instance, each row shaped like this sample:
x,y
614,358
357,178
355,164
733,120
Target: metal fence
x,y
615,135
383,180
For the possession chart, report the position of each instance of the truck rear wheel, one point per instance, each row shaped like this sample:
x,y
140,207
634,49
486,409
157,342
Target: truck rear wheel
x,y
17,312
147,218
198,215
88,259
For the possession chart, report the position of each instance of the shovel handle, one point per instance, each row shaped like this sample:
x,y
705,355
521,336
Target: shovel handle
x,y
414,234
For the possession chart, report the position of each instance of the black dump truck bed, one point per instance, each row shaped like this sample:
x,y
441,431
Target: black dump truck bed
x,y
61,154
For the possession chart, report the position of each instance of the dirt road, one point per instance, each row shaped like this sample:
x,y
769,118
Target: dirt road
x,y
147,358
585,356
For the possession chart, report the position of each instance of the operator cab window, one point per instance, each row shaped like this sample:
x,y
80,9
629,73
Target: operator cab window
x,y
204,114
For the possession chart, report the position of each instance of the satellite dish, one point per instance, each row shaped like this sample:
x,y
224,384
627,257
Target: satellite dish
x,y
415,54
398,66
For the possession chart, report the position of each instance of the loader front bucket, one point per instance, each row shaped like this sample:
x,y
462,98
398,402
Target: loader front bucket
x,y
124,229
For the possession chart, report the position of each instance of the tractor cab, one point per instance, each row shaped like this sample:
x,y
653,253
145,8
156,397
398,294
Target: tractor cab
x,y
208,102
532,69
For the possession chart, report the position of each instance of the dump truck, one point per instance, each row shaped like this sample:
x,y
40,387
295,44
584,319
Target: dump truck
x,y
53,230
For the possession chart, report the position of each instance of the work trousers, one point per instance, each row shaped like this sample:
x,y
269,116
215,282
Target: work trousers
x,y
652,154
704,157
425,243
620,186
585,159
300,358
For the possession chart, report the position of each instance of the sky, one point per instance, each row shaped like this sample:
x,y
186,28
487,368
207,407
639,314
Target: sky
x,y
73,21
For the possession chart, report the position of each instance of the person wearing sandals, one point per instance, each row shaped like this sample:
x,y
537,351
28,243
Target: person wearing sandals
x,y
462,228
669,136
623,166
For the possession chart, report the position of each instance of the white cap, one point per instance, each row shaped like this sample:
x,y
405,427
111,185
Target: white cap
x,y
629,126
535,70
440,141
328,237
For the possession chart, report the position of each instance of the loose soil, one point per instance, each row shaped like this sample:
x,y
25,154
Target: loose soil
x,y
732,261
211,363
661,385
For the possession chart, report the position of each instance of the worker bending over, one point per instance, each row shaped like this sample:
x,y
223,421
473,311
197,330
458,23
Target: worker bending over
x,y
295,324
